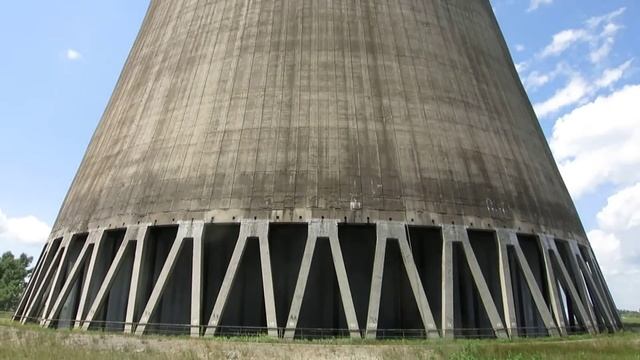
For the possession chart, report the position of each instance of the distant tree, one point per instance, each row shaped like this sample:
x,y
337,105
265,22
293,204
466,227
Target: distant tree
x,y
13,274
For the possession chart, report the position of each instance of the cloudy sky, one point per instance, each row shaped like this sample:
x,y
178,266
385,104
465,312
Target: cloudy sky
x,y
578,60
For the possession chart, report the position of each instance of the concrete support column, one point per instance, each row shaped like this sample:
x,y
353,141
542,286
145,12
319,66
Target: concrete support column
x,y
44,284
396,231
249,229
449,236
601,306
196,282
32,282
458,233
507,238
185,230
322,229
106,284
552,284
599,278
66,288
536,293
55,284
95,238
138,234
482,287
551,252
580,280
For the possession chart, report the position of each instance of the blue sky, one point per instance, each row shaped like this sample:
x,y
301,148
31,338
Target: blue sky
x,y
578,60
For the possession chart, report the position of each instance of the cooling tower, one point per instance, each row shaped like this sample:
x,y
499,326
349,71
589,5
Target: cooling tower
x,y
303,168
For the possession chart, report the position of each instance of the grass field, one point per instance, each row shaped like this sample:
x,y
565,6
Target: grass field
x,y
33,342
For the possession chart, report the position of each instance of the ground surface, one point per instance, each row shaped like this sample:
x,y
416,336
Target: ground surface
x,y
31,342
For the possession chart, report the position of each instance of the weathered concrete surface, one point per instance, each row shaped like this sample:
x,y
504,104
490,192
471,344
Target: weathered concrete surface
x,y
293,110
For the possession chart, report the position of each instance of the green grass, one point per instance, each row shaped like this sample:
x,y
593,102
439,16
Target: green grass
x,y
34,342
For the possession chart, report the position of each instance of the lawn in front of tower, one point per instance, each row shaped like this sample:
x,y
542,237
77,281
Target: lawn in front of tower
x,y
32,342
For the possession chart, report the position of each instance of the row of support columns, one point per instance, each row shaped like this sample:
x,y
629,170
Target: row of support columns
x,y
574,279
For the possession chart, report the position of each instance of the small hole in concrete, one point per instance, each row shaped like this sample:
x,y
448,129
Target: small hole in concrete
x,y
411,220
173,220
277,217
453,223
300,217
390,219
233,218
322,217
471,224
433,221
255,218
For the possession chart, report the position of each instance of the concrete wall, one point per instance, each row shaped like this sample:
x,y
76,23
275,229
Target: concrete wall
x,y
293,110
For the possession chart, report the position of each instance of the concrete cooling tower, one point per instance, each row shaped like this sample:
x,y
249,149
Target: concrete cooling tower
x,y
305,168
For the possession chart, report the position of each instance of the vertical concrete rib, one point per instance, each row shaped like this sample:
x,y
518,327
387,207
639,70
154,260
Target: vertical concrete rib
x,y
95,238
196,281
481,286
106,284
138,234
505,239
449,236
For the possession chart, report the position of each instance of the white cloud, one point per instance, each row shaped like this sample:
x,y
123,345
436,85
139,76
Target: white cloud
x,y
521,67
611,76
535,4
27,230
73,55
535,80
598,32
563,40
599,142
622,211
520,47
577,88
616,245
